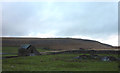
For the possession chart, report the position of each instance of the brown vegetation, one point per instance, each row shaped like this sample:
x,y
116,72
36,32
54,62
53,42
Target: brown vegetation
x,y
56,43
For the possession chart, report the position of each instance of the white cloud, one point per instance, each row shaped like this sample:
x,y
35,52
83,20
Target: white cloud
x,y
91,20
112,39
42,35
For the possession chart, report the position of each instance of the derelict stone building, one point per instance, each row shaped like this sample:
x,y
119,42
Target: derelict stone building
x,y
27,50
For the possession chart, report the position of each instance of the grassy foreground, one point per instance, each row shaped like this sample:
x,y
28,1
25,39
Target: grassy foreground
x,y
59,62
15,50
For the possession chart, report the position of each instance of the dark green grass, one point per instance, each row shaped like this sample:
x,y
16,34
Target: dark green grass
x,y
59,62
114,55
15,49
10,49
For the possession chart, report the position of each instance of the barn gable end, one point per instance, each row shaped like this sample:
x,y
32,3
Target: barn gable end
x,y
27,50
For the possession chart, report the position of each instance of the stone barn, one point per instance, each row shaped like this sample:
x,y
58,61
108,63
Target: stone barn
x,y
27,50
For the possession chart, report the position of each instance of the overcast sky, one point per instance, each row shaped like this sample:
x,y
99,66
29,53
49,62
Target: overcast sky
x,y
86,20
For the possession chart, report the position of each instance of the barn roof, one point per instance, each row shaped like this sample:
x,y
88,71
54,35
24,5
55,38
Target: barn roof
x,y
25,46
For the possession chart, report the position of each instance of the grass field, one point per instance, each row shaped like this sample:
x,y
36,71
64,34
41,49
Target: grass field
x,y
15,50
58,62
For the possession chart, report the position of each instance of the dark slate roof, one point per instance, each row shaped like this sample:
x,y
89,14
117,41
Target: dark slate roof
x,y
25,46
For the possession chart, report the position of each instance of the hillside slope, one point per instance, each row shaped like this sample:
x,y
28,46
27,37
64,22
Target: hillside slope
x,y
56,43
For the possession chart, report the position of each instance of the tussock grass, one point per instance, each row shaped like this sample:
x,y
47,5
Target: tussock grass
x,y
58,62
